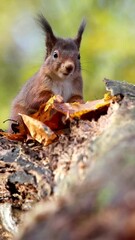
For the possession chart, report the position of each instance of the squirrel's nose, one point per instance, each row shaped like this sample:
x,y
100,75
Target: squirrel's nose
x,y
69,67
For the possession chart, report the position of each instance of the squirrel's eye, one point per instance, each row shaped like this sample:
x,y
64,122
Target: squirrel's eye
x,y
55,54
79,56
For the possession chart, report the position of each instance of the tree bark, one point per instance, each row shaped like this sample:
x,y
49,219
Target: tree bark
x,y
84,182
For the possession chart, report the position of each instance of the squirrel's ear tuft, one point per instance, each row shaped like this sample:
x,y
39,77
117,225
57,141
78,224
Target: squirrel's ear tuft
x,y
80,32
50,37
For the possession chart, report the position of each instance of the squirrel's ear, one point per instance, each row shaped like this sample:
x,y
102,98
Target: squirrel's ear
x,y
50,37
80,32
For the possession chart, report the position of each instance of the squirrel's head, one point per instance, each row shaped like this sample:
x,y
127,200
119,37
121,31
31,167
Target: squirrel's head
x,y
62,55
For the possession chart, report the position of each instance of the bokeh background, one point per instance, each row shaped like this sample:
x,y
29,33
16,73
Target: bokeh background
x,y
108,46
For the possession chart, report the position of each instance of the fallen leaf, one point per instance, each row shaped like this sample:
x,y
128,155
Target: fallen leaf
x,y
53,111
13,136
38,130
49,115
73,110
56,115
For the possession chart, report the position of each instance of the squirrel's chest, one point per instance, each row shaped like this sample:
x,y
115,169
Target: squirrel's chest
x,y
63,88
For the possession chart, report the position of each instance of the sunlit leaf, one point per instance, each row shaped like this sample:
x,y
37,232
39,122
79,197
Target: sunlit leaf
x,y
77,110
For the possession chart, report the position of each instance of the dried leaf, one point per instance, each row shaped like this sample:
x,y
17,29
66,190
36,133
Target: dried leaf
x,y
72,110
51,101
53,115
107,96
38,130
49,115
53,111
14,136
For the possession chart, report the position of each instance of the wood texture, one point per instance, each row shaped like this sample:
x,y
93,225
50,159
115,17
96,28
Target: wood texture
x,y
82,187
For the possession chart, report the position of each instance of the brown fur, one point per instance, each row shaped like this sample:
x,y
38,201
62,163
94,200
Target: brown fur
x,y
59,74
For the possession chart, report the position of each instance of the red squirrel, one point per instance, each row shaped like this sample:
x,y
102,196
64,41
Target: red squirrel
x,y
59,74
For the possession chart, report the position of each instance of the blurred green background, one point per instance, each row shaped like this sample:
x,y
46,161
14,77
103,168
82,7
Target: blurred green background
x,y
108,46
